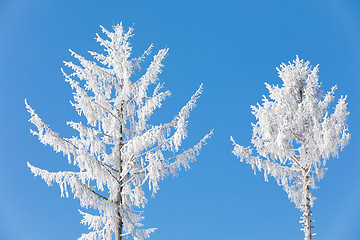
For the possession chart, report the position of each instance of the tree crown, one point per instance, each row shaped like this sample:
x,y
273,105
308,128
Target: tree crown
x,y
295,134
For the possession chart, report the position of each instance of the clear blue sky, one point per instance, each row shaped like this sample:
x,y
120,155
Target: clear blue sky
x,y
232,47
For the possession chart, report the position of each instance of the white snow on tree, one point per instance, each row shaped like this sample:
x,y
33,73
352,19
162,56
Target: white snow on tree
x,y
117,151
295,135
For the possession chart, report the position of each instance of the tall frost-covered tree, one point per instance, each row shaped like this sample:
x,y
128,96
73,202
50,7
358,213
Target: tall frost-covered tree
x,y
117,151
295,135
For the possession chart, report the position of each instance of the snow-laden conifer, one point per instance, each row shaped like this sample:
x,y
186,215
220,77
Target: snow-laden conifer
x,y
295,135
116,150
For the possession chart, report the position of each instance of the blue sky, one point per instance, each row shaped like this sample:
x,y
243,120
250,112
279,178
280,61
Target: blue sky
x,y
232,47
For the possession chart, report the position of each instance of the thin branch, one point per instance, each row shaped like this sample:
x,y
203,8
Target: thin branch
x,y
107,110
153,149
99,195
122,178
69,142
297,161
106,166
144,181
133,177
297,136
125,234
165,159
92,129
113,105
96,67
106,135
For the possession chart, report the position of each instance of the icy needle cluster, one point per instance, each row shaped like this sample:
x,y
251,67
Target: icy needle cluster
x,y
117,151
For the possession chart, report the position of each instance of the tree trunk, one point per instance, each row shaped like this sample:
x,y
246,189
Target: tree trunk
x,y
306,217
119,202
119,237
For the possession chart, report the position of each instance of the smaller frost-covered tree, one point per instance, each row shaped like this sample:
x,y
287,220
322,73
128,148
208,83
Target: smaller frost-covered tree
x,y
117,151
295,135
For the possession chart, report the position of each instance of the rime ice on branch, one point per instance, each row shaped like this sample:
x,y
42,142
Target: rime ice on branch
x,y
295,135
117,151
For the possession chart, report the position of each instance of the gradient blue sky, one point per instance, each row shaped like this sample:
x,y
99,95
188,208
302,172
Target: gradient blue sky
x,y
232,47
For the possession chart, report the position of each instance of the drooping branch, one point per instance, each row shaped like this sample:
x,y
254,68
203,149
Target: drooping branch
x,y
62,178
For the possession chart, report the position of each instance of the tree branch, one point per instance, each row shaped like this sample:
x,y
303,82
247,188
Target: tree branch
x,y
297,161
297,136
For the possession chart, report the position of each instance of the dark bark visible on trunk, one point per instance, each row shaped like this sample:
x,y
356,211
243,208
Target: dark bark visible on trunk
x,y
120,226
119,202
119,237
